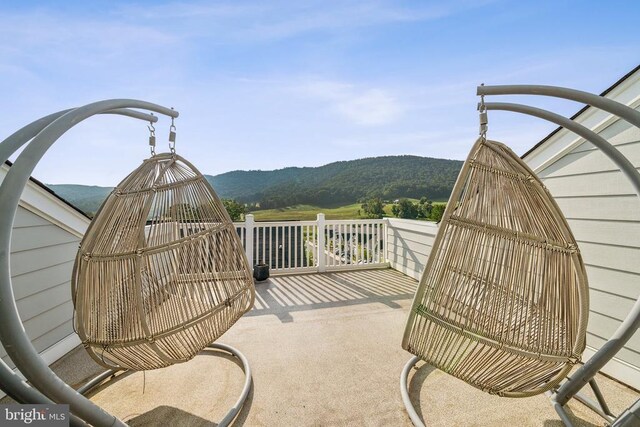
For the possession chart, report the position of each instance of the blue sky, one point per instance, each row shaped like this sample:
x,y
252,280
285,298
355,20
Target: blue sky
x,y
270,84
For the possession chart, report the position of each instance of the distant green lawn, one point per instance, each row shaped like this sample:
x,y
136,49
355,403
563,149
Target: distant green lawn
x,y
310,213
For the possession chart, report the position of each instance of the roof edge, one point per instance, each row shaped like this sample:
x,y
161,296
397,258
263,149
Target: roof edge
x,y
582,110
53,193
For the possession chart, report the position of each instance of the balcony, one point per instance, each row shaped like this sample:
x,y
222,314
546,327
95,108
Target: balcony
x,y
324,348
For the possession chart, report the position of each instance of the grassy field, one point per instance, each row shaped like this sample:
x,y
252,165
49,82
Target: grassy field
x,y
309,213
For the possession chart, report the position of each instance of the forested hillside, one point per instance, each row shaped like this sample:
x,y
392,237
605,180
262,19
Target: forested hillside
x,y
87,198
389,177
246,185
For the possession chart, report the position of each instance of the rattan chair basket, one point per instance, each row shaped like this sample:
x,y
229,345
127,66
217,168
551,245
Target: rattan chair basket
x,y
161,272
503,301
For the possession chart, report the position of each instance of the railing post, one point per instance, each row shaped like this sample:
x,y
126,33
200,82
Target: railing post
x,y
248,236
385,239
321,245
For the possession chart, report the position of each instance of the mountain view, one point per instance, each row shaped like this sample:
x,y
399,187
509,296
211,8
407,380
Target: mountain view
x,y
344,182
87,198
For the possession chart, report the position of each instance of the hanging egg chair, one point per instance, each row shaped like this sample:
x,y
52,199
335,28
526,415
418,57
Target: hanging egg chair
x,y
161,272
503,301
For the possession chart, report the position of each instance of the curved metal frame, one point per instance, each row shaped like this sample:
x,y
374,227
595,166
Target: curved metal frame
x,y
404,392
10,382
586,373
605,104
235,409
229,416
43,133
23,135
16,342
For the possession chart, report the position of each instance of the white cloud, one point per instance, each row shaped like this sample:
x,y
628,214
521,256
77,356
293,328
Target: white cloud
x,y
258,21
361,106
371,107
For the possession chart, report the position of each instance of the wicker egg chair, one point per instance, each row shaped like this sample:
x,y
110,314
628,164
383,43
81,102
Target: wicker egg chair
x,y
161,272
503,301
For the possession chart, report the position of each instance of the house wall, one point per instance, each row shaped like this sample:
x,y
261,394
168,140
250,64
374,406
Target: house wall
x,y
42,257
409,244
604,215
44,241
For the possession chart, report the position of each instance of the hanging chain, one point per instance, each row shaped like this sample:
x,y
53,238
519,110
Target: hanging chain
x,y
172,135
484,120
152,138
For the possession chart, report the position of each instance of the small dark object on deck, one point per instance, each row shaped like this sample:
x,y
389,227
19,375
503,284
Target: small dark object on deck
x,y
261,272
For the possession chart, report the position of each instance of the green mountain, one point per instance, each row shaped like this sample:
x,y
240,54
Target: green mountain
x,y
247,185
388,177
87,198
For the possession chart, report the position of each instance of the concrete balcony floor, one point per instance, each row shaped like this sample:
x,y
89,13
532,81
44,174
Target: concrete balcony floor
x,y
325,351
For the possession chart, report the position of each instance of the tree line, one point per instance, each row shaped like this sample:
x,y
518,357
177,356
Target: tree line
x,y
370,208
405,208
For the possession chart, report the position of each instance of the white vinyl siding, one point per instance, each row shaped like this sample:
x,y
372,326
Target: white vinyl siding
x,y
42,255
588,186
604,215
409,243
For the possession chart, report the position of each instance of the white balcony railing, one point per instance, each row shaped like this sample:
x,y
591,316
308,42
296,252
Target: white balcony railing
x,y
314,246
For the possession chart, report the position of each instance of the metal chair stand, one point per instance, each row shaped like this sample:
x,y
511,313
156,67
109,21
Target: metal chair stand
x,y
45,386
584,375
106,377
